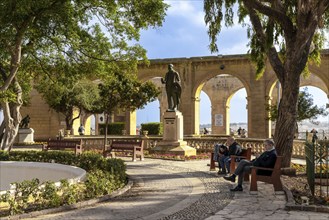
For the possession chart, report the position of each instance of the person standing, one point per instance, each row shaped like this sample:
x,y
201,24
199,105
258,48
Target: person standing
x,y
266,159
205,131
173,88
81,130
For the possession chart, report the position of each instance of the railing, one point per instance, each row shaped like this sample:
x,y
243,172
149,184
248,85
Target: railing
x,y
317,166
322,134
201,143
310,165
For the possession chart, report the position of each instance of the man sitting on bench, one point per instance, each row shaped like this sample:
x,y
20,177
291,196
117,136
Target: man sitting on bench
x,y
266,159
224,159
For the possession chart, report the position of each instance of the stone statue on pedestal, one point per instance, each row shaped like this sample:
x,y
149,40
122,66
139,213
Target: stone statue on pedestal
x,y
25,122
173,88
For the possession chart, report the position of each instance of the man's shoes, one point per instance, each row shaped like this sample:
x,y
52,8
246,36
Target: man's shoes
x,y
221,173
237,189
230,178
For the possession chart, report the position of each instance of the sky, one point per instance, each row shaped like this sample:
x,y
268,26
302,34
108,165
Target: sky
x,y
184,34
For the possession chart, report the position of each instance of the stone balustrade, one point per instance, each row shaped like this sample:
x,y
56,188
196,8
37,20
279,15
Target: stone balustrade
x,y
201,143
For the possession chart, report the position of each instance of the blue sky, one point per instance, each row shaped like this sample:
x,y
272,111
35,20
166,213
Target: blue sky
x,y
184,34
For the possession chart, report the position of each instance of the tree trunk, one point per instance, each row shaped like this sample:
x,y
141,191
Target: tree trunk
x,y
287,118
84,116
12,118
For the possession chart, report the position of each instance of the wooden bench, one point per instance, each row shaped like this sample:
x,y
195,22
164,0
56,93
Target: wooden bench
x,y
63,144
245,154
135,146
274,178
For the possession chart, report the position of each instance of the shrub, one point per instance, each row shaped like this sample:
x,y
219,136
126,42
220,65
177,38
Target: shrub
x,y
112,128
153,128
104,176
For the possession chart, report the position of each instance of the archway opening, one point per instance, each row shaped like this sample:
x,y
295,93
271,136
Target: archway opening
x,y
321,123
152,111
205,113
227,97
238,113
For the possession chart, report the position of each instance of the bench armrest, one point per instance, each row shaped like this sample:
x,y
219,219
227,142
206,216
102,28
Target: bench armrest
x,y
262,168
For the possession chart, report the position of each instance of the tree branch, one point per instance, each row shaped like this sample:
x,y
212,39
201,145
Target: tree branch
x,y
276,12
271,52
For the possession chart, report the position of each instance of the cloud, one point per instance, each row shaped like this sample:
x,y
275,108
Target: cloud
x,y
187,10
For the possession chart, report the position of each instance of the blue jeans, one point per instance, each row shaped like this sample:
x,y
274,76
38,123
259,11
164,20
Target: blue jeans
x,y
224,162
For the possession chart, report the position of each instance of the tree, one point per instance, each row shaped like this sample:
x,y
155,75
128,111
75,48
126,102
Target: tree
x,y
66,96
286,33
38,32
125,92
305,109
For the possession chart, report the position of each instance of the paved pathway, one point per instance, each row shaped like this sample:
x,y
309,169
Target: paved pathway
x,y
186,190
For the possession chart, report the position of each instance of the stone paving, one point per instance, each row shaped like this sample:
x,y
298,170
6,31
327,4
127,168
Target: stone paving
x,y
166,189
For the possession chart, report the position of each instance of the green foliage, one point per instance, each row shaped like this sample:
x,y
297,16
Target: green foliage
x,y
124,91
67,158
71,193
100,183
153,128
65,92
305,108
49,196
18,201
268,25
114,128
104,176
78,38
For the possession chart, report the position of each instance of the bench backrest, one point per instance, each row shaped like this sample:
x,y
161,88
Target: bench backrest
x,y
277,166
121,143
246,152
63,143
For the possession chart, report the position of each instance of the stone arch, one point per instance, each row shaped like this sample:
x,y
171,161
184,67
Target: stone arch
x,y
220,89
274,93
228,114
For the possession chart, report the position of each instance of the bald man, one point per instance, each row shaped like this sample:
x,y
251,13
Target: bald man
x,y
224,160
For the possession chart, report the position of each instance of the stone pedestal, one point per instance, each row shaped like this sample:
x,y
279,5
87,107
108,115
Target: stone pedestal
x,y
25,135
172,142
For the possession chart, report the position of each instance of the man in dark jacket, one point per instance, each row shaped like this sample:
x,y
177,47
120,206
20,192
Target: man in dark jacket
x,y
233,149
266,159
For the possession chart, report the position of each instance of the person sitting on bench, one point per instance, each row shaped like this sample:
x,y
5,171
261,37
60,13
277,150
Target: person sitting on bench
x,y
266,159
224,160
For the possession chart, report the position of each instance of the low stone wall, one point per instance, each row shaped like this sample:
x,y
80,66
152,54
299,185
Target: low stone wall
x,y
201,143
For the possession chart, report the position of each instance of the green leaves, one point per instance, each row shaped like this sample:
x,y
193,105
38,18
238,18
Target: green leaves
x,y
124,91
305,108
62,41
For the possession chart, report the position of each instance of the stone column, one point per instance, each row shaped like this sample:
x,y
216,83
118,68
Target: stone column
x,y
130,122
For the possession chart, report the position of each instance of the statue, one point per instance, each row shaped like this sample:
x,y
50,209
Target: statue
x,y
173,88
25,122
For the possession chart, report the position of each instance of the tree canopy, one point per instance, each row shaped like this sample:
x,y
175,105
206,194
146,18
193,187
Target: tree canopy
x,y
36,35
285,33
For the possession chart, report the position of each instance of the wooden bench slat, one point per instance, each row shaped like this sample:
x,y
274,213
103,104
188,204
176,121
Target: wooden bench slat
x,y
274,178
246,153
136,147
63,144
